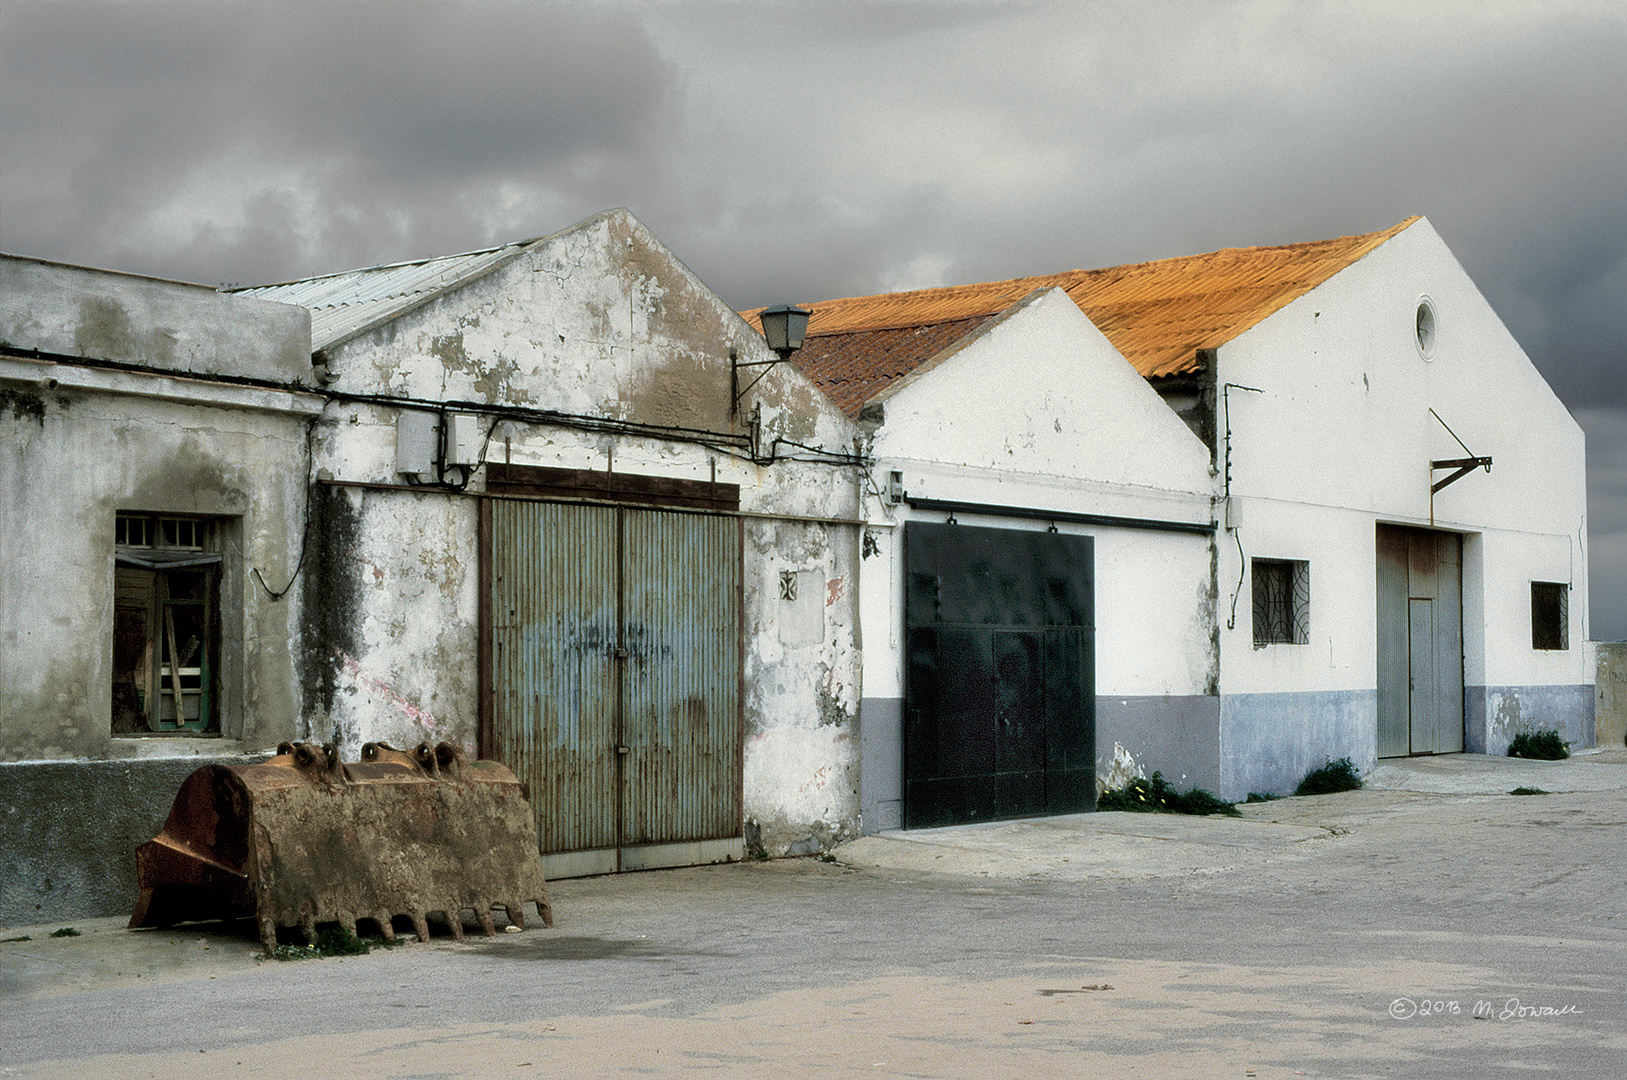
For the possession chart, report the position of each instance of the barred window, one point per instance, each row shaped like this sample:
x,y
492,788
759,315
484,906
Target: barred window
x,y
1550,615
1282,599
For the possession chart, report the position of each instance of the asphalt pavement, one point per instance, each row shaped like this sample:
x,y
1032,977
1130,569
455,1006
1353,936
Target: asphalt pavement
x,y
1430,924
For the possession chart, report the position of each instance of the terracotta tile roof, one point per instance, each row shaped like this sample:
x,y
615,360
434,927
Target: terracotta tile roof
x,y
855,366
1158,314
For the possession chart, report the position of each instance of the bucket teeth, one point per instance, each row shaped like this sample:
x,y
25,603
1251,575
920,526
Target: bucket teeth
x,y
305,838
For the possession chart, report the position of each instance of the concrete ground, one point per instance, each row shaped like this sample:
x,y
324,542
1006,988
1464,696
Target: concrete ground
x,y
1429,925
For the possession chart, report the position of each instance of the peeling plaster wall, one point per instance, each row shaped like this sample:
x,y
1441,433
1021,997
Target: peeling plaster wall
x,y
391,643
1341,438
603,322
1039,410
68,469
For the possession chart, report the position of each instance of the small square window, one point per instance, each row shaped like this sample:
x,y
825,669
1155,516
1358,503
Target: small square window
x,y
1282,595
1550,615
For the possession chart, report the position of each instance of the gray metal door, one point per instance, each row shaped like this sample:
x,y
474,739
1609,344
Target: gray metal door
x,y
616,679
999,696
1420,641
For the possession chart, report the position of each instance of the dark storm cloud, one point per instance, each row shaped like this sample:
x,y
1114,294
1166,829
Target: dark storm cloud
x,y
276,139
810,150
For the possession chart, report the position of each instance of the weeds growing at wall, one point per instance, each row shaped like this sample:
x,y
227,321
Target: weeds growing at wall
x,y
1335,776
1156,796
1543,745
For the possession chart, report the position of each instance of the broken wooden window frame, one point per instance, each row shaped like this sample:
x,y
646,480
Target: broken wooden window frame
x,y
167,631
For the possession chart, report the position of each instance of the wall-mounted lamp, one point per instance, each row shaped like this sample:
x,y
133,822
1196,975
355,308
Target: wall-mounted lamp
x,y
784,328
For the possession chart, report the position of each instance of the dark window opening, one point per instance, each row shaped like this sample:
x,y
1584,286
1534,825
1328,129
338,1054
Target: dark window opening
x,y
1550,615
166,626
1282,591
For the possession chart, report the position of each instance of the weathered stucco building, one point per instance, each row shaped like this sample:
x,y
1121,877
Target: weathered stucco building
x,y
153,459
975,553
533,500
1305,570
553,526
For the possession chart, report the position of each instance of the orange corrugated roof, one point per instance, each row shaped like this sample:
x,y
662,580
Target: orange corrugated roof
x,y
1158,314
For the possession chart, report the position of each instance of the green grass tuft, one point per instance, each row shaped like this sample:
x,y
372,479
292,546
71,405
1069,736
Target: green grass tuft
x,y
332,939
1333,777
66,931
1156,796
1261,796
1528,791
1543,745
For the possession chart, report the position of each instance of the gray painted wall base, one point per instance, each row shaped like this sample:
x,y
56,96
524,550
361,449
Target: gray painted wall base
x,y
1493,715
1178,736
69,832
881,764
1268,742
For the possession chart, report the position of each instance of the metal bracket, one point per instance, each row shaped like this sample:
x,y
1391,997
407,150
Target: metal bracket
x,y
1464,467
736,391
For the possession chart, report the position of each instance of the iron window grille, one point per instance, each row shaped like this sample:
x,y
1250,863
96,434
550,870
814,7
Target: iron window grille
x,y
1550,615
1282,600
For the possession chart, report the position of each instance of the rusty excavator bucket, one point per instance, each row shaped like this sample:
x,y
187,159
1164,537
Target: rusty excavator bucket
x,y
304,838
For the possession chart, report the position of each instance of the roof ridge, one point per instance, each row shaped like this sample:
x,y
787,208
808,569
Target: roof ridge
x,y
1004,292
389,266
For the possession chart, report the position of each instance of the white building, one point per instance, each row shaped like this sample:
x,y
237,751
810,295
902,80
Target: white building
x,y
1268,579
557,520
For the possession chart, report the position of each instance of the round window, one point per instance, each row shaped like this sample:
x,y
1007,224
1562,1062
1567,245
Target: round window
x,y
1426,327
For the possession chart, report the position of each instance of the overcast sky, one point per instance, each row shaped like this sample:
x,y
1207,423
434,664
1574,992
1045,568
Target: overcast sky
x,y
812,150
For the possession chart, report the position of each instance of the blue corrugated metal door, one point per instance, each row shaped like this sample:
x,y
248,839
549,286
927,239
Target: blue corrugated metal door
x,y
615,680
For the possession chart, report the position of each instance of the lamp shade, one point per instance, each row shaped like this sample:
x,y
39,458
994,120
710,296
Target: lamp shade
x,y
784,327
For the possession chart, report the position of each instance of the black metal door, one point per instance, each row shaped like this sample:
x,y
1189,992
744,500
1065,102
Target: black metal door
x,y
999,695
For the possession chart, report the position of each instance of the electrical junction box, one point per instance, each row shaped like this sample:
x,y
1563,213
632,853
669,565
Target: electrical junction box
x,y
464,439
416,434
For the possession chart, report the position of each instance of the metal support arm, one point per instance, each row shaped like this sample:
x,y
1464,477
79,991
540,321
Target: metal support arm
x,y
1464,467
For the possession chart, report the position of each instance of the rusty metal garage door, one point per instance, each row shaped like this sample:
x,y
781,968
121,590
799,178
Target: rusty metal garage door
x,y
616,681
999,684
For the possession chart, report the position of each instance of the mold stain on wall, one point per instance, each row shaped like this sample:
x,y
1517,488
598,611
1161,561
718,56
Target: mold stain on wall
x,y
333,601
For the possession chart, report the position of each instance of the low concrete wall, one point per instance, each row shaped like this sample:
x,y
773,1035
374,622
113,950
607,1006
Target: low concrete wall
x,y
69,831
1493,715
1268,742
1610,694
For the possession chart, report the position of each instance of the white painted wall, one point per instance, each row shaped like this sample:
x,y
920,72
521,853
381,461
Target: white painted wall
x,y
1039,410
1342,437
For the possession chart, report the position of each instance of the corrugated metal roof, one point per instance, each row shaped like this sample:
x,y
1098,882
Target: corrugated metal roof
x,y
1158,314
343,305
